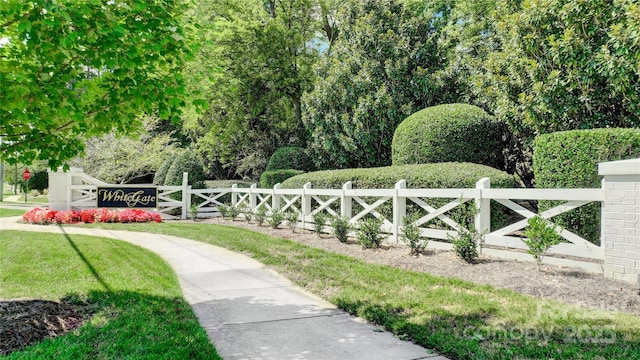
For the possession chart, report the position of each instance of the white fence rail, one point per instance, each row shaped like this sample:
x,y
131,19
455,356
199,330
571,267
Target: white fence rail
x,y
619,196
501,242
390,205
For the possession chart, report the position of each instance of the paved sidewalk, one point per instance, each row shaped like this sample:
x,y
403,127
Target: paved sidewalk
x,y
13,198
251,312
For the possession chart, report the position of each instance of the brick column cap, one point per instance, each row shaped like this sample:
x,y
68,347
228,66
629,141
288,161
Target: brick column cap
x,y
620,167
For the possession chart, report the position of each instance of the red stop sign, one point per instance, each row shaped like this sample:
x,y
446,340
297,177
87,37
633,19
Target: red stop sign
x,y
26,174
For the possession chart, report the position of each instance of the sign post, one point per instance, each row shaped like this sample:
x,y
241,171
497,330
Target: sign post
x,y
26,175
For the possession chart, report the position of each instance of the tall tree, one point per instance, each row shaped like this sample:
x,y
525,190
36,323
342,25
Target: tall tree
x,y
476,38
128,159
261,55
379,71
547,65
74,69
583,64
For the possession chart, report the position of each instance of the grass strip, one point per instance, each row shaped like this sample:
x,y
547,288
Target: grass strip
x,y
4,212
460,319
134,297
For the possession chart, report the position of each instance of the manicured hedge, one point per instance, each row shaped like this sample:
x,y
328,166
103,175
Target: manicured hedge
x,y
450,132
569,159
290,157
269,178
222,184
442,175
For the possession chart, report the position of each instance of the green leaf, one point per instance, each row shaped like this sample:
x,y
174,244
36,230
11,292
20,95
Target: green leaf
x,y
24,26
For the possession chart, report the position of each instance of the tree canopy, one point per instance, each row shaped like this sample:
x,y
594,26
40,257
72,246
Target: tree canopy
x,y
333,77
126,159
259,57
74,69
380,71
547,65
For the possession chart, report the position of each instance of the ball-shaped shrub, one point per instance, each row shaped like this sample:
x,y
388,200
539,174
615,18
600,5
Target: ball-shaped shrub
x,y
187,162
290,157
450,133
569,159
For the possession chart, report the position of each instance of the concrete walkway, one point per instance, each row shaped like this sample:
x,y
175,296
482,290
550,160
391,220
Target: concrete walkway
x,y
251,312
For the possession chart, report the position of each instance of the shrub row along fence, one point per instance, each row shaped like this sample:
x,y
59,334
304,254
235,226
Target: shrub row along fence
x,y
618,255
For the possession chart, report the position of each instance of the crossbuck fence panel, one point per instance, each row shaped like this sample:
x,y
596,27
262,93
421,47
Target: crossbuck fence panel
x,y
439,210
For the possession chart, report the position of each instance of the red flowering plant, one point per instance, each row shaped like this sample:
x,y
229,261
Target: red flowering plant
x,y
35,216
46,216
88,216
67,217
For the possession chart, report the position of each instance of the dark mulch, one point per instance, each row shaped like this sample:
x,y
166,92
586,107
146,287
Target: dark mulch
x,y
26,322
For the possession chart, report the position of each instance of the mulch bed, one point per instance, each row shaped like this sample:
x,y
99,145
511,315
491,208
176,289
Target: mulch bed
x,y
564,284
26,322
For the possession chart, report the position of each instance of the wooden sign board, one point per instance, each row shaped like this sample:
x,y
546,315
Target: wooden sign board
x,y
127,197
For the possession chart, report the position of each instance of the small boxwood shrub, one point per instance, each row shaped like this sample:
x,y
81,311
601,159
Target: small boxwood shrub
x,y
569,159
450,132
290,157
369,234
269,178
434,176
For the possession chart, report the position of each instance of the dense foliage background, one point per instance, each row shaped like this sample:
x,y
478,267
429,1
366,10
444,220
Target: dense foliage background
x,y
332,77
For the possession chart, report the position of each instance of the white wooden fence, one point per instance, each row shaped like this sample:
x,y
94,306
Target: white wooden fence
x,y
504,242
390,205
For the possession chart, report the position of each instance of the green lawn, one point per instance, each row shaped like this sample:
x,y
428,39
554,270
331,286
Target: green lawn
x,y
457,318
4,212
40,199
137,306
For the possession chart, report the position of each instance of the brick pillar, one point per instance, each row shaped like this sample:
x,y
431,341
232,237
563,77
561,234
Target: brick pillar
x,y
620,229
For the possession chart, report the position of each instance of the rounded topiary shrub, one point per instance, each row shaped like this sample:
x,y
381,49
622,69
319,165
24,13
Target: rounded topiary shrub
x,y
290,157
269,178
450,132
187,162
569,159
422,176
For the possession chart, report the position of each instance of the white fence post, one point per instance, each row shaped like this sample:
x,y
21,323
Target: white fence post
x,y
399,209
71,177
252,197
621,219
186,196
234,195
306,204
345,201
275,198
483,216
